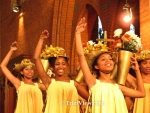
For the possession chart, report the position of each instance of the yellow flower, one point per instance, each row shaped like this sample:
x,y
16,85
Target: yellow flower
x,y
51,51
91,46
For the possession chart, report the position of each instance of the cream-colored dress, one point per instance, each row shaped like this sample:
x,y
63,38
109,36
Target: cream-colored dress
x,y
29,99
142,105
107,98
62,97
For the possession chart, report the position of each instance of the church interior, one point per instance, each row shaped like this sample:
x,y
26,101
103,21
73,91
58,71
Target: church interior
x,y
60,18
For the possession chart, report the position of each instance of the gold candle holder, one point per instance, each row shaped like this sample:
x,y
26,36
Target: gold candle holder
x,y
124,60
79,77
45,64
114,72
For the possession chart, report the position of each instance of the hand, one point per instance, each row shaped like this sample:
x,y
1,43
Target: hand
x,y
44,34
134,63
81,26
14,46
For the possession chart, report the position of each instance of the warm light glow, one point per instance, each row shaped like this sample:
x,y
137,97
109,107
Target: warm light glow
x,y
21,22
21,32
128,15
127,18
21,14
128,12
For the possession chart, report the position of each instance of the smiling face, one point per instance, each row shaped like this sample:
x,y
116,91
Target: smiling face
x,y
28,72
104,63
60,66
145,66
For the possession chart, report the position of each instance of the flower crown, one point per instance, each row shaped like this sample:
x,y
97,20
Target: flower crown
x,y
51,51
143,55
93,50
92,46
24,63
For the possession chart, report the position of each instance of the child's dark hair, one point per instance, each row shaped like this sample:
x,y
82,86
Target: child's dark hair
x,y
53,59
139,62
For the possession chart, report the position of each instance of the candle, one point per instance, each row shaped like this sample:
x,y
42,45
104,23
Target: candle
x,y
105,34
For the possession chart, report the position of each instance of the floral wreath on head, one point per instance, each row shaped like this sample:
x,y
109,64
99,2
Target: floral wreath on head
x,y
93,50
143,55
25,63
51,51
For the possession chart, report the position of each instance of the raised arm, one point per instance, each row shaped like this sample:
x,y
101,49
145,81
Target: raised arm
x,y
140,91
15,81
89,78
41,72
131,81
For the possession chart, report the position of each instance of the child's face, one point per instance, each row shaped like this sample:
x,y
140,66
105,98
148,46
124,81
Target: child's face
x,y
105,63
60,66
28,72
145,66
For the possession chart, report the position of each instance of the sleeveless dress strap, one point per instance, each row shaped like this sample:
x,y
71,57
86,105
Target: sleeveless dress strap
x,y
98,81
36,84
72,82
52,80
117,85
22,82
